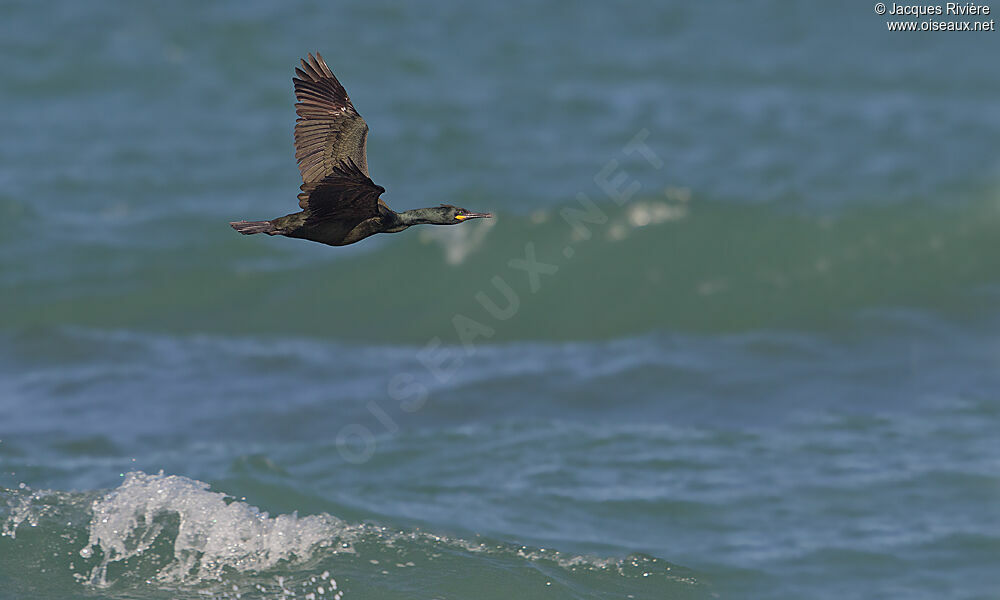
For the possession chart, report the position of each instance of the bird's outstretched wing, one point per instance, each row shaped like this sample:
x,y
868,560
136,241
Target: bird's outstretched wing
x,y
328,130
346,194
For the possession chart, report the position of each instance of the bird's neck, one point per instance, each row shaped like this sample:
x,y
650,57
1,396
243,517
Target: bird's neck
x,y
418,216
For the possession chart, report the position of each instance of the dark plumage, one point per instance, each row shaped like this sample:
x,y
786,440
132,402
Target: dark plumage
x,y
340,203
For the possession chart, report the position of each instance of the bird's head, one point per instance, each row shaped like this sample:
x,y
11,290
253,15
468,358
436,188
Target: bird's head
x,y
447,214
444,214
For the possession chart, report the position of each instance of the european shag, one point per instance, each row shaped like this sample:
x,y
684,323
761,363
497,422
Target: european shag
x,y
340,203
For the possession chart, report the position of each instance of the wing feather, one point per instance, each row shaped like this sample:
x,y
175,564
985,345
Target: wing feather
x,y
328,131
345,194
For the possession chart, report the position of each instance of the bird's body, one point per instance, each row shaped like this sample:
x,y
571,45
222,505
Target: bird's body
x,y
339,201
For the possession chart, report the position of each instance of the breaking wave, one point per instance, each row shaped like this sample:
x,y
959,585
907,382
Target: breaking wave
x,y
170,534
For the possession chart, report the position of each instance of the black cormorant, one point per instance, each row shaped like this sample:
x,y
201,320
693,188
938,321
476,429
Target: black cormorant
x,y
340,203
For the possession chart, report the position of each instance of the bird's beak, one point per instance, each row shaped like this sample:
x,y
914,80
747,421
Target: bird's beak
x,y
474,216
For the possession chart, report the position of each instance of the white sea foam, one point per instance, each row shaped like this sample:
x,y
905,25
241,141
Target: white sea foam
x,y
174,533
458,242
214,532
643,213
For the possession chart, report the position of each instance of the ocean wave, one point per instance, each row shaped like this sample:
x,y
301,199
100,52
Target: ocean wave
x,y
158,532
668,264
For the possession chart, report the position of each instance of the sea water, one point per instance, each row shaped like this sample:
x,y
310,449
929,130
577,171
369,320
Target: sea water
x,y
732,333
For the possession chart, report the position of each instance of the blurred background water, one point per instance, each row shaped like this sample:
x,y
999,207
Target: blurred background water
x,y
772,372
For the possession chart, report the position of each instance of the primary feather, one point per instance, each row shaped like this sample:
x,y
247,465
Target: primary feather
x,y
329,130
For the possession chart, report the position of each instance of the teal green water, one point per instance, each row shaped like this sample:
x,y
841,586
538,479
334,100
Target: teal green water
x,y
768,369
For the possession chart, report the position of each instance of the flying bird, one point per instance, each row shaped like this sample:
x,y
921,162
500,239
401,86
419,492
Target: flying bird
x,y
339,201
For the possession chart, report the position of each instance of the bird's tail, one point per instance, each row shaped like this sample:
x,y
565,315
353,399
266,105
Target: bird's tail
x,y
251,227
